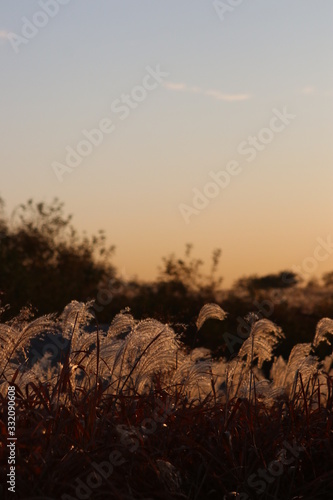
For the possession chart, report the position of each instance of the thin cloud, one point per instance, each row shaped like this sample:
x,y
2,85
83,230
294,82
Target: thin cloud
x,y
215,94
311,90
308,90
175,86
195,90
220,96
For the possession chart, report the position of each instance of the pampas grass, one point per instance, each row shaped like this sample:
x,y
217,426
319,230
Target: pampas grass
x,y
187,426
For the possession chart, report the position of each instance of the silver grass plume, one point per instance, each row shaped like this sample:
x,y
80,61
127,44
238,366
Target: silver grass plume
x,y
193,378
121,325
210,311
149,347
264,337
278,371
264,389
324,330
73,319
15,338
300,362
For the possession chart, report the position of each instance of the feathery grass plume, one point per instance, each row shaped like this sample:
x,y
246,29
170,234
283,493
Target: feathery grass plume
x,y
121,325
192,378
112,348
72,322
75,316
324,332
210,311
200,353
219,371
327,365
264,337
150,348
134,351
300,361
111,351
278,371
264,389
41,372
16,336
237,374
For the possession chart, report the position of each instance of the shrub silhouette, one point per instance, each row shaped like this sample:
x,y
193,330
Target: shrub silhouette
x,y
46,263
175,297
43,260
253,284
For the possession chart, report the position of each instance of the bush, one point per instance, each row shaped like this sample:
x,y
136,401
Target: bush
x,y
44,262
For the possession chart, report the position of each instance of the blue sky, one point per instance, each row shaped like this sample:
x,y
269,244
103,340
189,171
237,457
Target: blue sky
x,y
225,78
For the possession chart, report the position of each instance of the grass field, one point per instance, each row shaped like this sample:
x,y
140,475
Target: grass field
x,y
134,414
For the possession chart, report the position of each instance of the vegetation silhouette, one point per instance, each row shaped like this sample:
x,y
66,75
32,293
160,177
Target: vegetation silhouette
x,y
182,425
45,263
192,419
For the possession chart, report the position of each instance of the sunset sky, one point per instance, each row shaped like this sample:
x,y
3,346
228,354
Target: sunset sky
x,y
180,90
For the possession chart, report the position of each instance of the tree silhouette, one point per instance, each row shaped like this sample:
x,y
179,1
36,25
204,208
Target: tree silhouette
x,y
45,262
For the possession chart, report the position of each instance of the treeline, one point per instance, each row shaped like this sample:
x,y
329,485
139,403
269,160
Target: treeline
x,y
45,263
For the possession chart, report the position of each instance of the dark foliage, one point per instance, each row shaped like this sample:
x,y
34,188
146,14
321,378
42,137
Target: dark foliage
x,y
44,262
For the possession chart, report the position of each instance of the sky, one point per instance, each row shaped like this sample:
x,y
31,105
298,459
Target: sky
x,y
166,123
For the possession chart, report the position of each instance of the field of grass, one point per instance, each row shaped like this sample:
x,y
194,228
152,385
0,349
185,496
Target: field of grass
x,y
134,414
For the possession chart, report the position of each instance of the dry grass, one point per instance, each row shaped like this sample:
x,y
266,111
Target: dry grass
x,y
181,427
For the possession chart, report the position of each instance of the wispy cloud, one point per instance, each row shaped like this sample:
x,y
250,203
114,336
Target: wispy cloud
x,y
220,96
215,94
309,89
175,86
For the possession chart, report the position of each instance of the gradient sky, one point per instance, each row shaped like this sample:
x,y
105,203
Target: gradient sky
x,y
226,74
